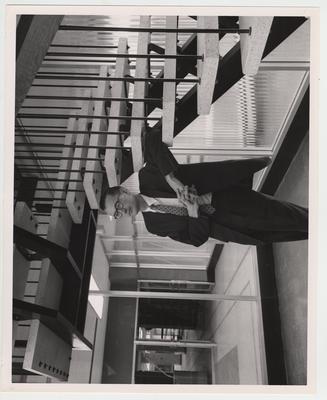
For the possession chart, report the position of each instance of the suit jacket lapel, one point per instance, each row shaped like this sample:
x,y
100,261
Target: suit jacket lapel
x,y
163,224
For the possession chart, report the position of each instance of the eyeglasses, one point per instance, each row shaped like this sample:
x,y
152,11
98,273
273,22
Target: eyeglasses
x,y
118,209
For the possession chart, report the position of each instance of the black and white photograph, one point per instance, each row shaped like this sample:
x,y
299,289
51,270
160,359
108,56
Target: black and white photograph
x,y
160,197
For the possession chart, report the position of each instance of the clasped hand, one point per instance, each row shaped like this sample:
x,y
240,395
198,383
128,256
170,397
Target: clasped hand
x,y
188,197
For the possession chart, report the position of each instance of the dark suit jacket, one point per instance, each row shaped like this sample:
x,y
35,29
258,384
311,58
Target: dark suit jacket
x,y
206,177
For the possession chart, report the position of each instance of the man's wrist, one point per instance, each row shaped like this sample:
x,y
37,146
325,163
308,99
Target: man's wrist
x,y
169,177
193,212
172,181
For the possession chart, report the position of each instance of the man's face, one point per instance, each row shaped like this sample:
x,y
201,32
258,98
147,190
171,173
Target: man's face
x,y
122,204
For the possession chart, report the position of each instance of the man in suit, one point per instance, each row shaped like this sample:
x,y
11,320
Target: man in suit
x,y
192,202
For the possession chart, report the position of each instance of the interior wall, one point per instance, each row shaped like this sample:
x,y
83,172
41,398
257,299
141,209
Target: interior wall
x,y
118,351
235,325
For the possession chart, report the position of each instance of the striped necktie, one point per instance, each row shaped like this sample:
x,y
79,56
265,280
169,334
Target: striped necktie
x,y
181,211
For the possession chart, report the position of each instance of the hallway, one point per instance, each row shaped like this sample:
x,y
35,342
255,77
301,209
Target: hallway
x,y
122,301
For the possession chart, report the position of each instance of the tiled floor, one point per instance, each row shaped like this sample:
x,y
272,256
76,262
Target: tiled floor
x,y
236,326
291,268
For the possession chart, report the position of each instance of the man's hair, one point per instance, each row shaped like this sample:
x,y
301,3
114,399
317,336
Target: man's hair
x,y
112,191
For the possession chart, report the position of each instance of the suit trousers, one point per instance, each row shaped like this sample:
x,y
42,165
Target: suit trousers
x,y
260,216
